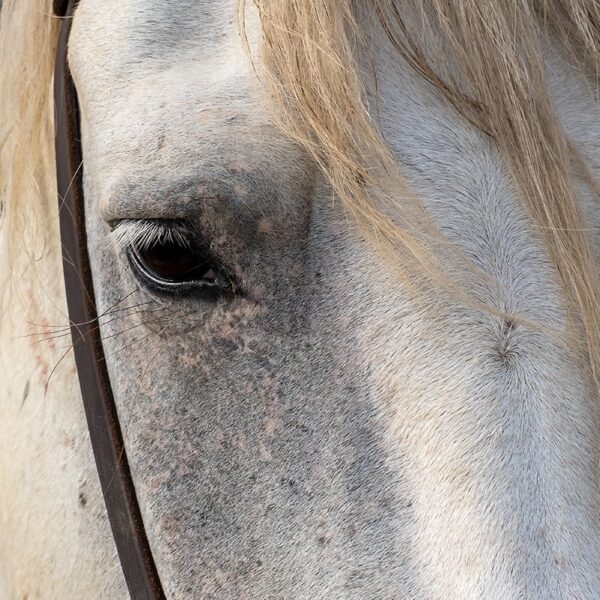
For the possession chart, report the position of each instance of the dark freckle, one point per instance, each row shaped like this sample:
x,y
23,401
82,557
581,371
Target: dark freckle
x,y
509,325
303,428
82,499
323,539
227,346
25,394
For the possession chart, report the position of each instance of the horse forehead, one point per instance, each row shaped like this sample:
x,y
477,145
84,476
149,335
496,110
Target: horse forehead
x,y
167,78
118,42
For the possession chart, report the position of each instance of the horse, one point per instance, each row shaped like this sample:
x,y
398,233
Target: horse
x,y
344,256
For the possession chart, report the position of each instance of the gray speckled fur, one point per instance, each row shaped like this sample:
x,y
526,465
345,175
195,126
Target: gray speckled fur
x,y
329,434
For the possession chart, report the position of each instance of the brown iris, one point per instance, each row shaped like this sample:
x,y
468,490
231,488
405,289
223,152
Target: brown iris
x,y
171,262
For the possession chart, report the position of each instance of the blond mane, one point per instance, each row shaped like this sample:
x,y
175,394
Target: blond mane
x,y
28,37
484,56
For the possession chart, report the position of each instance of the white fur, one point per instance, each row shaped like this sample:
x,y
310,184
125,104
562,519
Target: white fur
x,y
50,547
495,426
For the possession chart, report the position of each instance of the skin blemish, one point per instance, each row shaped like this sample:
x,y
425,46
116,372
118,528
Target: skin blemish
x,y
238,167
265,453
322,536
160,141
273,424
264,225
25,394
241,191
170,525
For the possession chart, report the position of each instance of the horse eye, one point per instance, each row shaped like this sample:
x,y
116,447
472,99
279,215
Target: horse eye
x,y
168,266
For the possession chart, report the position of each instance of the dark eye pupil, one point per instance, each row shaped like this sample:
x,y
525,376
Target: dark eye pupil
x,y
173,262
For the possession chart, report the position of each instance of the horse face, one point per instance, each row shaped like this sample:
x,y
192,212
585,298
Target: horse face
x,y
298,423
246,412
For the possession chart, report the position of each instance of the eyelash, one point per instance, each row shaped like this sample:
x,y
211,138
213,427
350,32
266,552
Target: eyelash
x,y
146,232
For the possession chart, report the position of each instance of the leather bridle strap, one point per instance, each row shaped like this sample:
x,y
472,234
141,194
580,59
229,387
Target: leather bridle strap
x,y
101,413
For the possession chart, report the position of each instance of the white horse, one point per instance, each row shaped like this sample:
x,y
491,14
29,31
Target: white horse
x,y
345,257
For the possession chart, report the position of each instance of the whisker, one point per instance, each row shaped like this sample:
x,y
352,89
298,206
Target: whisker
x,y
56,367
63,330
109,309
57,335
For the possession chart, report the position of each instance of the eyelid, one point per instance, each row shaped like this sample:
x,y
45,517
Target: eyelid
x,y
145,233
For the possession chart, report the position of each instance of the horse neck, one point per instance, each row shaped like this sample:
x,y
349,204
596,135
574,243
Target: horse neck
x,y
54,535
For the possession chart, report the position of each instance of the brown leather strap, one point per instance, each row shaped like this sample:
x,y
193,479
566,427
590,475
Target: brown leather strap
x,y
61,7
103,421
